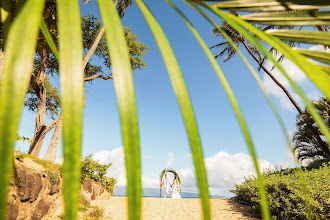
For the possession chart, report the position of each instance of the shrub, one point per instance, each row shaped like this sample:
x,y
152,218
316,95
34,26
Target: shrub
x,y
96,213
93,170
317,163
285,195
52,177
20,157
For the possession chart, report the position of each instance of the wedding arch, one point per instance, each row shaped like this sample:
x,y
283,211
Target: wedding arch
x,y
161,176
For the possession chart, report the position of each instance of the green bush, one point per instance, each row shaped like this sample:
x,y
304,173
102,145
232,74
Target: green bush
x,y
285,195
52,177
93,170
96,213
316,164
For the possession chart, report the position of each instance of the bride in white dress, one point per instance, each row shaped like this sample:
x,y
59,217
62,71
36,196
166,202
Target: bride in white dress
x,y
176,189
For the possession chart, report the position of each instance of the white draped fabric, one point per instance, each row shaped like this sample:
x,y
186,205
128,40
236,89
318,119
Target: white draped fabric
x,y
176,193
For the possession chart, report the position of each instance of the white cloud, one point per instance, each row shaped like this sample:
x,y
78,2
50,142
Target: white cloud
x,y
169,161
148,182
223,170
118,170
295,73
288,161
187,157
147,156
116,157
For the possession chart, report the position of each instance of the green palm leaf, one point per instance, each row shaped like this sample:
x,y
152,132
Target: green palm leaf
x,y
235,106
71,79
23,34
309,37
290,18
49,39
320,56
124,87
6,18
271,5
182,95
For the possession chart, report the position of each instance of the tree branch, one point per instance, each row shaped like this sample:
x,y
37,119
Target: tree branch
x,y
98,76
34,84
274,79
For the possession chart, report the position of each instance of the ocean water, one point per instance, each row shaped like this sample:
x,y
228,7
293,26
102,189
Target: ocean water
x,y
153,192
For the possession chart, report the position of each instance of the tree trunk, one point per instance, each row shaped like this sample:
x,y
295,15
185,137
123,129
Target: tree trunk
x,y
53,146
274,79
95,44
36,144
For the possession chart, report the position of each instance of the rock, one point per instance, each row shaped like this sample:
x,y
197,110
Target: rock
x,y
13,207
91,190
41,210
36,193
32,193
29,184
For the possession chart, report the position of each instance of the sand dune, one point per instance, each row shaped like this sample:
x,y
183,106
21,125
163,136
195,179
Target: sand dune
x,y
167,209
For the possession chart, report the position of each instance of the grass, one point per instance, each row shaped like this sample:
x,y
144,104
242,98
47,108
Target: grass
x,y
49,166
89,212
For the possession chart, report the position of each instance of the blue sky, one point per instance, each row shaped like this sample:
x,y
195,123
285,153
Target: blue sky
x,y
162,133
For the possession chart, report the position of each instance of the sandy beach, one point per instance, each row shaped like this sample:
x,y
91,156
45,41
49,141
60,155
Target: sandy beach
x,y
167,209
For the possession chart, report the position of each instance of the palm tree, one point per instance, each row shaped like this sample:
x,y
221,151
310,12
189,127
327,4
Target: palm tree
x,y
307,144
238,39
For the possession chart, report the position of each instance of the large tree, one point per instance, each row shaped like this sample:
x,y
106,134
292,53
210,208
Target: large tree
x,y
45,63
309,142
37,98
91,27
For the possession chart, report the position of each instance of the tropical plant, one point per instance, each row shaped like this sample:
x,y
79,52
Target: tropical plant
x,y
309,141
21,33
238,39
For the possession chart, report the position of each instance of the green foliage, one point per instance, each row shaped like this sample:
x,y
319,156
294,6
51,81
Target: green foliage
x,y
22,138
96,213
52,177
19,50
91,26
316,164
284,193
53,99
20,157
89,212
93,170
